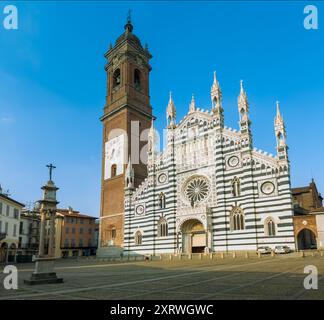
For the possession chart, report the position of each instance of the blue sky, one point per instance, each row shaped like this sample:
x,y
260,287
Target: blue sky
x,y
52,82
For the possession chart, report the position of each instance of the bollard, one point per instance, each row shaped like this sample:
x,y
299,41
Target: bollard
x,y
189,256
302,254
313,254
234,255
259,255
170,257
321,253
246,255
222,255
200,256
211,256
272,254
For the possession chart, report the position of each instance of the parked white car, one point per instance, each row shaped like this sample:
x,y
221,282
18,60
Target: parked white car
x,y
282,249
264,250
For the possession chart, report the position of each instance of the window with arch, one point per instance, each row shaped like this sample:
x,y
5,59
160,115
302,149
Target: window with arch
x,y
162,200
162,228
270,227
113,170
236,187
116,78
137,79
237,219
113,233
138,238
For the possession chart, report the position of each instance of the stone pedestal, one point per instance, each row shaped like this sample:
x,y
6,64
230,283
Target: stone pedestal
x,y
44,272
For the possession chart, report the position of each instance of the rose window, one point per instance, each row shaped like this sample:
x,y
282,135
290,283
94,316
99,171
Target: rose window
x,y
197,189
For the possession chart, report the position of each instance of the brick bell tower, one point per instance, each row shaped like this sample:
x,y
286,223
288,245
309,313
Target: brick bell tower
x,y
127,113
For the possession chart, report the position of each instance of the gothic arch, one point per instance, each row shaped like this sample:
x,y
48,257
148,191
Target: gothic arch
x,y
163,227
237,219
185,220
162,200
270,227
138,238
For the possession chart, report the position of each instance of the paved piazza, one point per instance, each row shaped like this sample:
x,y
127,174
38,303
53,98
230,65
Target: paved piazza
x,y
279,277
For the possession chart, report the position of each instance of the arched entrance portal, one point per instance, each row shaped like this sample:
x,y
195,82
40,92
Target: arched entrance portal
x,y
306,240
193,236
12,253
3,252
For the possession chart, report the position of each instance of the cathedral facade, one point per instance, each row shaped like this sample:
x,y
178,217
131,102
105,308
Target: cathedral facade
x,y
209,190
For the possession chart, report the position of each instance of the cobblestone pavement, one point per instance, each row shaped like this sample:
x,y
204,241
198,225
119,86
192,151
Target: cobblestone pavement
x,y
279,277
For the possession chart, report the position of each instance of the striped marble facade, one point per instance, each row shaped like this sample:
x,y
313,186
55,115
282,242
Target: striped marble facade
x,y
209,190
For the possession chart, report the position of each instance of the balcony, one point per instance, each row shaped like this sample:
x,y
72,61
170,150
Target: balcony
x,y
2,235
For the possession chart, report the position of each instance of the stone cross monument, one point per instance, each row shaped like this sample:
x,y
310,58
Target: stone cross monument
x,y
44,262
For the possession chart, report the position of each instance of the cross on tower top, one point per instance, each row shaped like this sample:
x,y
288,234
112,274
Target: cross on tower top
x,y
128,25
51,168
129,19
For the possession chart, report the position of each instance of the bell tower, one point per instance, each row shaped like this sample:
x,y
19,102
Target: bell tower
x,y
127,113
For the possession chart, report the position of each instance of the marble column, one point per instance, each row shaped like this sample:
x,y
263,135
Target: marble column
x,y
52,234
42,234
207,241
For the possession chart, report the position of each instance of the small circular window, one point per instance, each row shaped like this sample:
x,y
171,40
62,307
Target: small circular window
x,y
140,210
162,178
267,188
233,161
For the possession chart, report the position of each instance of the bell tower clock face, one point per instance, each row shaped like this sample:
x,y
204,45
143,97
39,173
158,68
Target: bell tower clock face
x,y
114,157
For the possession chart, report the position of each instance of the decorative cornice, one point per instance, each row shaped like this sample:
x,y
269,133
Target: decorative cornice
x,y
111,113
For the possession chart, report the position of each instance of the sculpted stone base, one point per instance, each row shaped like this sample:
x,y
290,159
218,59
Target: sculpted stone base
x,y
44,272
